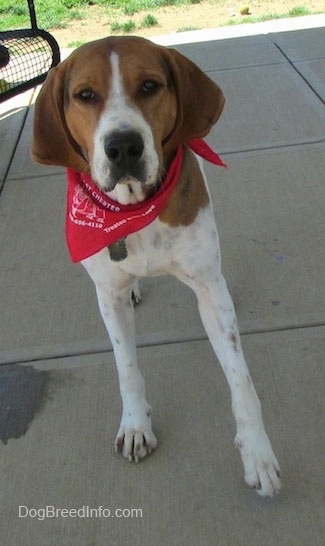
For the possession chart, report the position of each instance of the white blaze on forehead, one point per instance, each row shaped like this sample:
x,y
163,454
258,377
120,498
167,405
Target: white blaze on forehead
x,y
117,93
121,114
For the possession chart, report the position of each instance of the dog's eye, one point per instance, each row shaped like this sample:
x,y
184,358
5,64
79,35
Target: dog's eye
x,y
149,87
86,95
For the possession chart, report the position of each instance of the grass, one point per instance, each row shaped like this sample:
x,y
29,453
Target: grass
x,y
294,12
76,43
299,11
49,14
127,26
149,21
58,13
186,29
130,26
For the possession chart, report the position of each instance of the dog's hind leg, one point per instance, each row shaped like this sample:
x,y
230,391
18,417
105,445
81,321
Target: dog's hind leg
x,y
136,294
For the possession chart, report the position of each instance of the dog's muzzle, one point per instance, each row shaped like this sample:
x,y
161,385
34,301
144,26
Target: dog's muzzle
x,y
125,151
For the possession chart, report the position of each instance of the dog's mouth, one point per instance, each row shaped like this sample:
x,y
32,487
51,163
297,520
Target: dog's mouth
x,y
131,187
127,191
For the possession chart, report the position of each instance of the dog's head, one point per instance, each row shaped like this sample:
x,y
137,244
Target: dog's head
x,y
118,108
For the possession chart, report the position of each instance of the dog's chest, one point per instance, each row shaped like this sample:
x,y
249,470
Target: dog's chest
x,y
160,249
151,250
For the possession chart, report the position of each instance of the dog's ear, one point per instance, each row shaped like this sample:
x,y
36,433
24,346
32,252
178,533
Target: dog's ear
x,y
52,142
200,101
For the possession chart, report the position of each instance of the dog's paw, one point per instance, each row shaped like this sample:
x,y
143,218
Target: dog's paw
x,y
135,439
136,294
262,471
135,444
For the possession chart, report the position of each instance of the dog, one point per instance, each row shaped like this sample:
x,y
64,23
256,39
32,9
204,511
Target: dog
x,y
122,114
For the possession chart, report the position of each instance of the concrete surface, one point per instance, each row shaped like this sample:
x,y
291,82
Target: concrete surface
x,y
12,118
57,445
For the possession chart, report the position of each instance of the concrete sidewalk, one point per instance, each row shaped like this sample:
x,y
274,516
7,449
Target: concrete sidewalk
x,y
60,405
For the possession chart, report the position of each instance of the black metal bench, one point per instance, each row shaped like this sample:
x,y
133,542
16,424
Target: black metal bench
x,y
26,56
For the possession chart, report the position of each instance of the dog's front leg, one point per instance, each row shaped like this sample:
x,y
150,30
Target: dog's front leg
x,y
219,319
135,437
262,471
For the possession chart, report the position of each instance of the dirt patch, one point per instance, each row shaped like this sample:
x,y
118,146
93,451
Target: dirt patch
x,y
97,21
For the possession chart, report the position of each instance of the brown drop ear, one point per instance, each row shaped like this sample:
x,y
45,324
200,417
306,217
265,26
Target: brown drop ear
x,y
200,101
52,142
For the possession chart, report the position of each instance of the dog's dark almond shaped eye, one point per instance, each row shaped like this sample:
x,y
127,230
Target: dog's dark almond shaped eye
x,y
149,87
86,95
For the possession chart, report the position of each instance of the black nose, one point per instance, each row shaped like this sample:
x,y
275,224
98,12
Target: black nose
x,y
124,149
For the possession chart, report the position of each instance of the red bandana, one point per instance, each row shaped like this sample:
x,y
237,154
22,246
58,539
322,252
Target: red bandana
x,y
94,221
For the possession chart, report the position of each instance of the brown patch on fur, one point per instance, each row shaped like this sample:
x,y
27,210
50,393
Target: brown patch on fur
x,y
189,196
63,124
234,341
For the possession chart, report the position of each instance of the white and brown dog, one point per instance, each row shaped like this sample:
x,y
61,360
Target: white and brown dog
x,y
121,113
